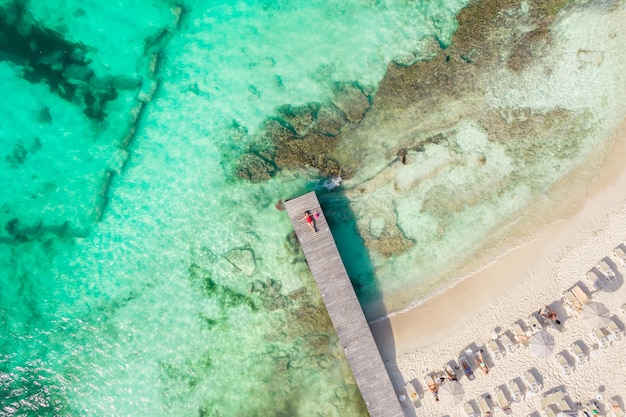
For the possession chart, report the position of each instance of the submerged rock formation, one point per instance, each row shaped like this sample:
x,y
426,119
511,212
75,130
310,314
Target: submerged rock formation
x,y
304,136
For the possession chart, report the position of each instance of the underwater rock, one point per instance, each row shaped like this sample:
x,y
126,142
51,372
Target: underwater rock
x,y
298,293
351,100
425,50
389,244
77,74
44,115
589,58
277,132
243,259
254,168
281,364
329,120
528,48
17,156
319,342
299,118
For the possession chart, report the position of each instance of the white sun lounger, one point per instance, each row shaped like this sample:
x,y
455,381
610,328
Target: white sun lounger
x,y
551,411
602,336
507,343
517,389
620,255
608,272
564,406
533,384
534,323
616,409
495,349
564,363
413,395
503,402
571,303
552,398
615,330
469,410
483,405
520,334
580,294
594,279
578,352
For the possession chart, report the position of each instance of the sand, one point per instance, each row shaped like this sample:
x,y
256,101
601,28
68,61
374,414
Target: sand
x,y
488,302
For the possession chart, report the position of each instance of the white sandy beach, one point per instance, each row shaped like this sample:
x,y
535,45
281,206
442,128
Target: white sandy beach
x,y
519,283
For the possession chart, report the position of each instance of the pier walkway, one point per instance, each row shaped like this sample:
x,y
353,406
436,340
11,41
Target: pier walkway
x,y
344,309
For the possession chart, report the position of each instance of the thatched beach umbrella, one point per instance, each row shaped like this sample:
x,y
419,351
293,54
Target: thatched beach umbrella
x,y
596,315
451,393
541,344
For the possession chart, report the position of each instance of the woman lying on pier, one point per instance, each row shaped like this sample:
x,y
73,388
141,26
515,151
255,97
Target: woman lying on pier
x,y
310,220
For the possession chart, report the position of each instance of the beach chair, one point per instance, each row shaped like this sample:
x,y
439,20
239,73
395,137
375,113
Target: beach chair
x,y
551,411
467,369
469,410
531,381
565,407
580,294
495,349
535,322
483,405
517,389
602,336
571,303
520,334
594,279
612,327
578,352
620,254
592,408
606,270
479,358
433,387
616,408
508,344
413,395
503,402
564,363
552,398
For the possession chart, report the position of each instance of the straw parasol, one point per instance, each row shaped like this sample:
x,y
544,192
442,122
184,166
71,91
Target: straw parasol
x,y
451,393
541,344
596,315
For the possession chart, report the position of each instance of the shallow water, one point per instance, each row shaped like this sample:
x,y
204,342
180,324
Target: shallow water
x,y
138,275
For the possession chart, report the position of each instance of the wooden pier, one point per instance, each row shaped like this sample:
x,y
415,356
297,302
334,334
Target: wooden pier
x,y
344,309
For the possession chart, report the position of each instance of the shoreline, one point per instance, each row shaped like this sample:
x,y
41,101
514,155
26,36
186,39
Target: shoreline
x,y
471,295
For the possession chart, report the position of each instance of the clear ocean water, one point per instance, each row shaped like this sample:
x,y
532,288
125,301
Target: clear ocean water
x,y
140,277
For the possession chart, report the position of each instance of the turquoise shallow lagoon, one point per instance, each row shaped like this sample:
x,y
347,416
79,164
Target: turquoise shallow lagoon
x,y
138,275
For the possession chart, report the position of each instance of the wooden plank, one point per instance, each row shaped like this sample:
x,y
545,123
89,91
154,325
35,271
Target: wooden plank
x,y
344,309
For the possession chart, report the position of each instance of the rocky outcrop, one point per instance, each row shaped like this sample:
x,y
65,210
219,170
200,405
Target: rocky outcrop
x,y
351,100
305,136
254,168
330,120
298,118
242,259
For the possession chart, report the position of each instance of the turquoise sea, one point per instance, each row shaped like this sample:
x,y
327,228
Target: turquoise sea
x,y
140,276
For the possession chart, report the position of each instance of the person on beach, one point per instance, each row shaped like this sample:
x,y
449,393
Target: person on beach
x,y
310,220
550,314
